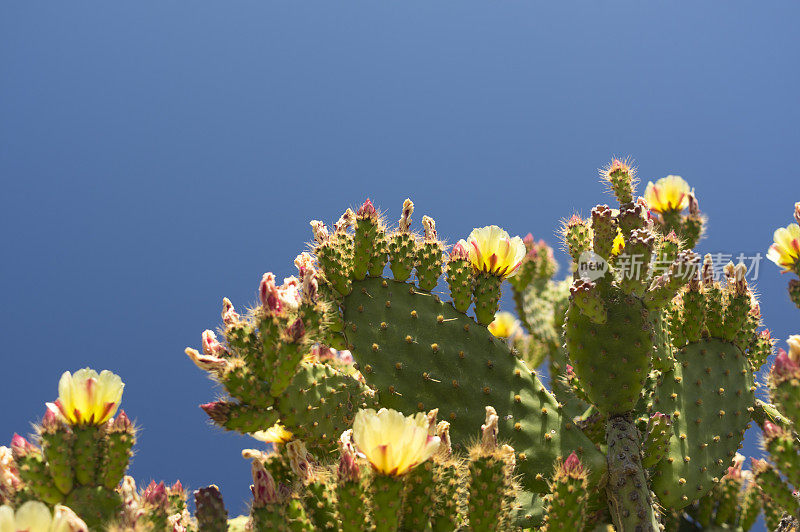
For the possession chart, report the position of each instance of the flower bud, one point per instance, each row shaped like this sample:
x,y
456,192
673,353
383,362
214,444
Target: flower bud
x,y
572,465
52,421
797,212
268,293
218,411
121,423
784,365
771,430
367,210
20,447
460,251
296,330
155,496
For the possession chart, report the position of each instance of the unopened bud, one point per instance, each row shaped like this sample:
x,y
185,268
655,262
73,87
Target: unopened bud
x,y
264,490
572,465
268,294
296,330
52,421
771,430
528,241
211,345
176,489
430,228
405,217
155,496
229,314
218,411
121,423
784,365
206,362
797,211
320,231
490,429
20,447
460,251
367,210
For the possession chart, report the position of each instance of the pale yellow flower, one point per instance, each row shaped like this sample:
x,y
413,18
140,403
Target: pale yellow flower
x,y
275,434
505,325
32,516
669,193
87,398
794,346
392,442
492,250
785,252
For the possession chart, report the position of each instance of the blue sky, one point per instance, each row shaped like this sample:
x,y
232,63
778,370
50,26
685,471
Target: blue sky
x,y
157,156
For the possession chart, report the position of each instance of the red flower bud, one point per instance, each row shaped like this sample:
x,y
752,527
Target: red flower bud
x,y
268,293
122,423
296,330
771,430
367,210
155,495
572,465
20,447
218,411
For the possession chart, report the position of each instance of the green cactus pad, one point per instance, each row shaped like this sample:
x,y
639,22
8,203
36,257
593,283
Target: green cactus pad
x,y
612,359
96,505
709,396
315,385
420,353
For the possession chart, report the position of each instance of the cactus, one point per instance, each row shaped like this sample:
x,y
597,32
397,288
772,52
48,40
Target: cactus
x,y
346,368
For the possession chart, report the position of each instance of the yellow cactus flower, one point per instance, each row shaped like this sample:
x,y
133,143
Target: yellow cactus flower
x,y
785,252
492,250
33,516
275,434
505,325
392,442
669,193
794,346
87,398
619,243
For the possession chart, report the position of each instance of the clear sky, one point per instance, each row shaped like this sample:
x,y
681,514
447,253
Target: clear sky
x,y
157,156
